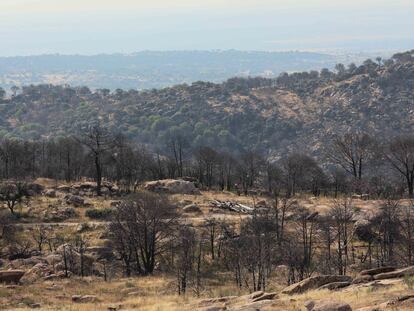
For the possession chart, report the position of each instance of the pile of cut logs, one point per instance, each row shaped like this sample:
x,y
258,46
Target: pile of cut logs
x,y
232,206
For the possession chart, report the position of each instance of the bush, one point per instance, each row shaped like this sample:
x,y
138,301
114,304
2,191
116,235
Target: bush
x,y
102,213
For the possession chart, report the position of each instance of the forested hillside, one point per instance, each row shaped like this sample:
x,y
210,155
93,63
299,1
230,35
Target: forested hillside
x,y
299,110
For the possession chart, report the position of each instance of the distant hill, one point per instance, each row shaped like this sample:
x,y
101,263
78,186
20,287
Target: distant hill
x,y
300,110
146,70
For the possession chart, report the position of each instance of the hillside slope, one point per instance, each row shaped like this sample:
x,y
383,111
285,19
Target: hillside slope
x,y
300,110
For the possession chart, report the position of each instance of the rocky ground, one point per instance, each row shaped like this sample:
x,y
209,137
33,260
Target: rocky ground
x,y
39,280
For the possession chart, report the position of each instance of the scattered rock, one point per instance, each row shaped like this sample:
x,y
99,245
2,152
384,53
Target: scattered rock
x,y
210,301
53,259
376,271
393,304
255,306
261,204
84,299
172,186
213,308
335,285
314,282
256,301
395,274
76,298
35,305
309,304
265,296
36,273
255,295
65,189
35,188
330,305
74,200
363,279
11,276
192,208
88,299
50,193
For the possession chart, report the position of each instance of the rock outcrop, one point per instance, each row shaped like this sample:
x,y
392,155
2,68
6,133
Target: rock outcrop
x,y
171,186
191,209
376,271
327,305
335,285
256,301
84,299
315,282
409,271
11,276
75,200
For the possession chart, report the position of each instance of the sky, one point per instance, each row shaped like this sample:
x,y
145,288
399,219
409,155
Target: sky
x,y
29,27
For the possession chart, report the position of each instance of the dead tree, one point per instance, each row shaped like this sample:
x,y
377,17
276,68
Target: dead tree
x,y
140,229
352,152
41,236
306,229
400,154
80,245
342,213
98,140
185,248
211,226
407,233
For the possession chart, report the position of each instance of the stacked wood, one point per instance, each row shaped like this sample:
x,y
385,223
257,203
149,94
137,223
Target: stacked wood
x,y
232,206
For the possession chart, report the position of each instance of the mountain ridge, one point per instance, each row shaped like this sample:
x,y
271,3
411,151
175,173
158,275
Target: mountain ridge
x,y
295,111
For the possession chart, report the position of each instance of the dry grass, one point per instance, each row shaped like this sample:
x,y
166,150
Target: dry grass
x,y
157,293
357,297
149,294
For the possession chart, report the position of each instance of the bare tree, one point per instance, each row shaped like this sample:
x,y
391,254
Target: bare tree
x,y
407,232
352,152
300,172
306,228
342,213
186,245
211,225
41,236
143,224
80,245
99,141
400,154
207,160
176,143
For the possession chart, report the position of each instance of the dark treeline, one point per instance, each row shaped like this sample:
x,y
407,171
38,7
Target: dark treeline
x,y
353,163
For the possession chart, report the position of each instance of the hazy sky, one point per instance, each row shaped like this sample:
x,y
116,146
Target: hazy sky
x,y
107,26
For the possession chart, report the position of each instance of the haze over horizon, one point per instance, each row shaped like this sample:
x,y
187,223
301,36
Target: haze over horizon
x,y
30,27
